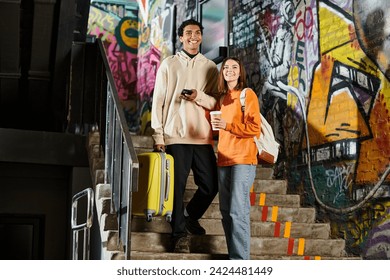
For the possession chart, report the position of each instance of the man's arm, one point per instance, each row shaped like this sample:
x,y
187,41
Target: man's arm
x,y
206,97
158,104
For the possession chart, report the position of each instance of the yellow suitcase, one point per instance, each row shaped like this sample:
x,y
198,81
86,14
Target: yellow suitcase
x,y
155,186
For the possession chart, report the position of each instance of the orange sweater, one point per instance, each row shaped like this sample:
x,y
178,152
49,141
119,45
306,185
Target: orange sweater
x,y
236,145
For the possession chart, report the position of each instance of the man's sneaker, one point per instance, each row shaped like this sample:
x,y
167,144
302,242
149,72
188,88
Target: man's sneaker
x,y
193,227
181,244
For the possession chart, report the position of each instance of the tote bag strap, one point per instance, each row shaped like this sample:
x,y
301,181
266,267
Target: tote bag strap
x,y
242,99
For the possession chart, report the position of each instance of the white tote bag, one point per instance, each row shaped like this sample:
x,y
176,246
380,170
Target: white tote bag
x,y
268,148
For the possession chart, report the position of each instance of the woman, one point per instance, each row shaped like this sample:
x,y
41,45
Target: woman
x,y
237,155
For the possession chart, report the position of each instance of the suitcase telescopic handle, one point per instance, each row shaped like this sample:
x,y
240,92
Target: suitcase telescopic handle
x,y
168,180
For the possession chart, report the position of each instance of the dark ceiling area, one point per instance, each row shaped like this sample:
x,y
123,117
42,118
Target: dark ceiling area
x,y
36,39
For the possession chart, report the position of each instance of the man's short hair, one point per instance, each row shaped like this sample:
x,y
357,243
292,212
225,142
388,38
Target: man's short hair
x,y
180,30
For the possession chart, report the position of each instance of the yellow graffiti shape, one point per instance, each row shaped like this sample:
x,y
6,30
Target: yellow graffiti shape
x,y
344,120
334,29
130,24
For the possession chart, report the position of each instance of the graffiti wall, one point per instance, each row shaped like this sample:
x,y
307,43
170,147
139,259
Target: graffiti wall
x,y
117,26
345,115
157,41
137,36
321,71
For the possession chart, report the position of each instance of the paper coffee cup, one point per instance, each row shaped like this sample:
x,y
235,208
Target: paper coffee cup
x,y
214,114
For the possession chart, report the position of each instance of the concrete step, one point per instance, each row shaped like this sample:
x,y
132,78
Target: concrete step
x,y
264,172
298,246
306,257
291,230
281,200
269,186
102,191
108,223
216,244
273,246
261,184
265,229
102,199
139,255
140,141
270,214
195,256
110,241
283,214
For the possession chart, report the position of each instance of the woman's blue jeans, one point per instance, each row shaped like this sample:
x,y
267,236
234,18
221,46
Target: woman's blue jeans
x,y
234,185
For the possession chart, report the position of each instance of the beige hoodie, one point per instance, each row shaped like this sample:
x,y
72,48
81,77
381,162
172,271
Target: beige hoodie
x,y
177,121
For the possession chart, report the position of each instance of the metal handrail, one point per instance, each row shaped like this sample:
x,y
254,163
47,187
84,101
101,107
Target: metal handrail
x,y
85,227
121,162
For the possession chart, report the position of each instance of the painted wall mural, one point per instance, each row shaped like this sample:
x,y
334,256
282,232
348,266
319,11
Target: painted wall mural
x,y
321,68
117,26
348,89
157,41
279,51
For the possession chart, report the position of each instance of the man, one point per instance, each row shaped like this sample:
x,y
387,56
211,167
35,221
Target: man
x,y
182,129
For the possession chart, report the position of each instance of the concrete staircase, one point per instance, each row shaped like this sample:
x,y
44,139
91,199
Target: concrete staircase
x,y
280,227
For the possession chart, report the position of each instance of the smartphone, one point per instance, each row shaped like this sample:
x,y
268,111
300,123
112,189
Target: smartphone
x,y
186,91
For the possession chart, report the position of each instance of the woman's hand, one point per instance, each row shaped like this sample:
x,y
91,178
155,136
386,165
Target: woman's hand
x,y
218,123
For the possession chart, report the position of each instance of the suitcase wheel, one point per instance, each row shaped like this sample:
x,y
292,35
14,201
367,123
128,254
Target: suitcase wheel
x,y
149,217
168,218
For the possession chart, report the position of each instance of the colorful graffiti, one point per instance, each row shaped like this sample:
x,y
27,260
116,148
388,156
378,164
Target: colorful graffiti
x,y
377,244
147,69
157,41
315,68
346,90
346,87
119,34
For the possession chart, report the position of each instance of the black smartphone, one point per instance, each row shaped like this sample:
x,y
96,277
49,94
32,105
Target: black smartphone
x,y
186,91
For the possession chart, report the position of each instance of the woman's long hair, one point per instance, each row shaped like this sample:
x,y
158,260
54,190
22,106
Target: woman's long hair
x,y
222,84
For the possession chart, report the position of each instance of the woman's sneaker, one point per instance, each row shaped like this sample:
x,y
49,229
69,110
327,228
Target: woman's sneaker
x,y
193,227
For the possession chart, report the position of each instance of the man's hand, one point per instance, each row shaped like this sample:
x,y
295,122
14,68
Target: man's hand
x,y
159,148
190,97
